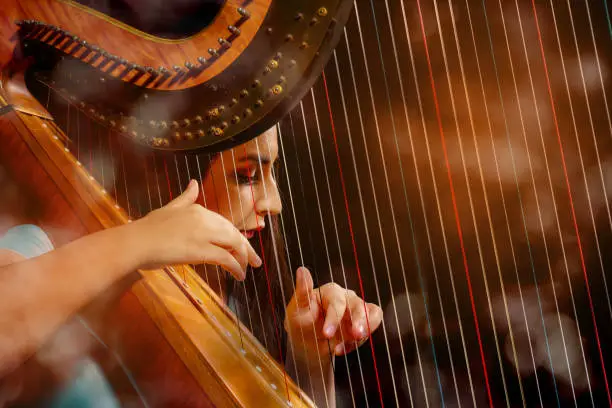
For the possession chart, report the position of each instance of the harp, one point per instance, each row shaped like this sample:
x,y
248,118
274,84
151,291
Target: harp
x,y
452,163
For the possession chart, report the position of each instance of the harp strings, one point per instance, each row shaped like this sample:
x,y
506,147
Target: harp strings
x,y
377,128
571,198
428,230
289,189
592,127
571,380
333,223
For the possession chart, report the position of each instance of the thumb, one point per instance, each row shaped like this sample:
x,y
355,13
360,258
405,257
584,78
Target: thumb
x,y
303,287
188,197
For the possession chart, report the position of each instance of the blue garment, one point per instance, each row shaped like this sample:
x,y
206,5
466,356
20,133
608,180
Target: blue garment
x,y
87,387
27,240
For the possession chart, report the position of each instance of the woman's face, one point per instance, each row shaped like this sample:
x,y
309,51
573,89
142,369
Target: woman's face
x,y
240,184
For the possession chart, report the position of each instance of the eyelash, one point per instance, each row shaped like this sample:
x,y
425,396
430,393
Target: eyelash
x,y
246,178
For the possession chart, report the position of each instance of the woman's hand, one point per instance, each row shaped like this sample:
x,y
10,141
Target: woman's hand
x,y
329,313
184,232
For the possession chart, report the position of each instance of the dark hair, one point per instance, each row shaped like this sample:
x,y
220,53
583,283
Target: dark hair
x,y
260,301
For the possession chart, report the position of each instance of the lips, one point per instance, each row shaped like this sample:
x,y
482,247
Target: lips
x,y
251,232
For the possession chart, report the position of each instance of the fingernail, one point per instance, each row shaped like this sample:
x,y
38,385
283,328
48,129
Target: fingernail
x,y
329,330
258,262
339,349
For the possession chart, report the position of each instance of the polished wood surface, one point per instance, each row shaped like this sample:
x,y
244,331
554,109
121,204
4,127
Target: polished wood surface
x,y
197,342
133,45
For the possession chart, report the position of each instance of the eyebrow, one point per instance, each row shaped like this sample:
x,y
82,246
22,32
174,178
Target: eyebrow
x,y
255,158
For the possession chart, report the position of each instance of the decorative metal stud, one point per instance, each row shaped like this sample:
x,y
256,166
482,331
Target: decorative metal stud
x,y
186,122
189,65
214,113
303,45
224,43
199,119
216,131
244,93
299,17
244,12
201,133
175,124
202,60
213,52
177,136
235,119
234,30
277,89
188,135
322,12
259,103
289,37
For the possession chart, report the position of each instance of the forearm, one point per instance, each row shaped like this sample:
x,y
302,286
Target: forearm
x,y
316,376
38,295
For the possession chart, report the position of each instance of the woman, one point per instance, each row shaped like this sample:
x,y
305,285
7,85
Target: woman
x,y
240,192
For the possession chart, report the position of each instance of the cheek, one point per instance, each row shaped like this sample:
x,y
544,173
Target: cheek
x,y
244,201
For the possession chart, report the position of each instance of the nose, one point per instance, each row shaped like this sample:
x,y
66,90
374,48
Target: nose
x,y
269,202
